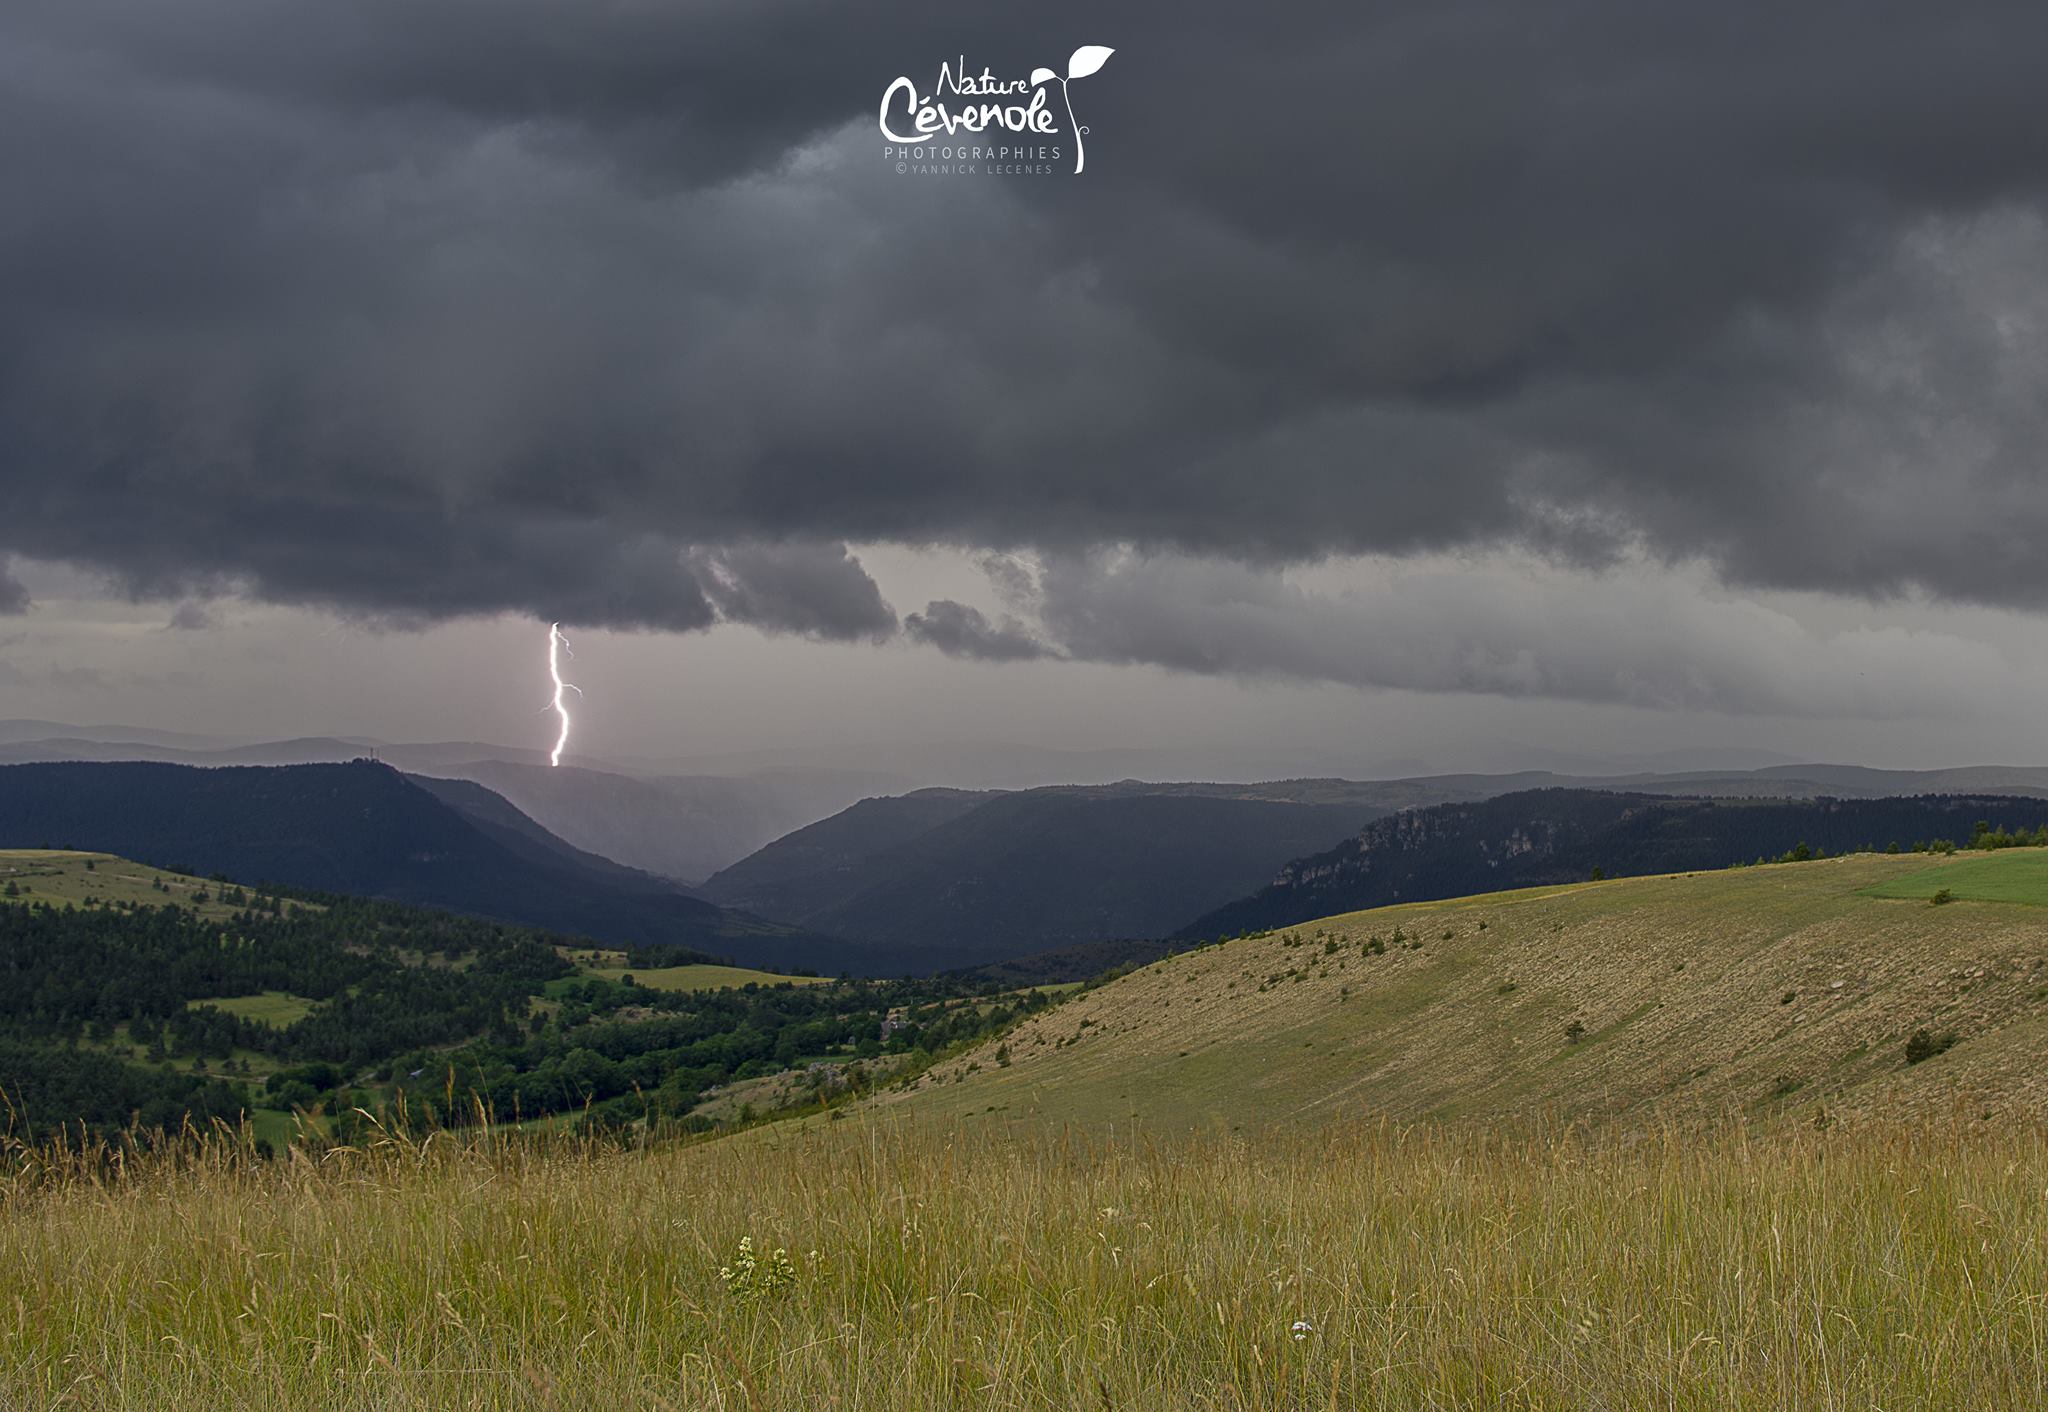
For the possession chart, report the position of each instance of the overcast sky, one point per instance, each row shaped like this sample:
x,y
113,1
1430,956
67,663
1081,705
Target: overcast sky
x,y
1436,384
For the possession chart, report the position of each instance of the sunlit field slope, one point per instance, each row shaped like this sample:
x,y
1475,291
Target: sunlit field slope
x,y
60,876
1779,991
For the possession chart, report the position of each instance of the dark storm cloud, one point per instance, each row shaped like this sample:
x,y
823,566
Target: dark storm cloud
x,y
14,597
962,630
815,590
441,307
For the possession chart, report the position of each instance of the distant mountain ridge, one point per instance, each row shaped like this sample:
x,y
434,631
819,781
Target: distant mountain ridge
x,y
497,816
1546,836
976,878
19,731
684,827
363,828
949,878
823,864
979,878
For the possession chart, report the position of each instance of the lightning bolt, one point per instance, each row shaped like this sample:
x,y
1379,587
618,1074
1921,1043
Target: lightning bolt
x,y
557,645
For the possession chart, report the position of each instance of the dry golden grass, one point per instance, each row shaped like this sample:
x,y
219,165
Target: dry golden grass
x,y
1777,993
1877,1267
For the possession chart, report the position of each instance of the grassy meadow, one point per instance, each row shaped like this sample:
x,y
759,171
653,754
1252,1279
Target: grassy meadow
x,y
1850,1268
1644,1143
2018,875
1778,992
60,876
272,1007
612,966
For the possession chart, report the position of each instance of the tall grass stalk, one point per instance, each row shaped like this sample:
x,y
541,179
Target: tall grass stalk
x,y
1880,1267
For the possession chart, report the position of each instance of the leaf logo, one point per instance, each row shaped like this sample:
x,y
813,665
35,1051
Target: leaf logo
x,y
1084,61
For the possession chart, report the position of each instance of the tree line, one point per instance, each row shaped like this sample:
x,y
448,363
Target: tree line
x,y
112,1015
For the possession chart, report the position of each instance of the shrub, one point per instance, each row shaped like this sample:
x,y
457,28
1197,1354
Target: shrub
x,y
1941,898
1923,1044
1574,1032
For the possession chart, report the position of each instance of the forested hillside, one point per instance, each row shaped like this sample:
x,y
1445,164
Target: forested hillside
x,y
133,995
1018,873
367,830
825,863
1565,835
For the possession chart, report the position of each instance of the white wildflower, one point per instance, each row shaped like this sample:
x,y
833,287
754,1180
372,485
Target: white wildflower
x,y
750,1277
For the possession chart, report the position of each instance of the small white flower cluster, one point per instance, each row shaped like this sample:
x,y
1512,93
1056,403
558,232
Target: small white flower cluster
x,y
1302,1329
750,1277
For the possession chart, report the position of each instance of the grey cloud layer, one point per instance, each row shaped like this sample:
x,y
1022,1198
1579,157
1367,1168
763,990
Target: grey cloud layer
x,y
615,314
1633,635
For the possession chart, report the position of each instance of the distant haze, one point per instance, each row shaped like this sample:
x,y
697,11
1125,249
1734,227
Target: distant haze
x,y
731,701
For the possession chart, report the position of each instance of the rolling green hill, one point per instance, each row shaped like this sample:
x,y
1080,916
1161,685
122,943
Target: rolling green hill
x,y
60,877
1787,991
